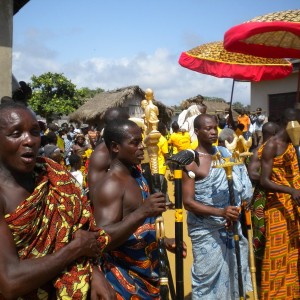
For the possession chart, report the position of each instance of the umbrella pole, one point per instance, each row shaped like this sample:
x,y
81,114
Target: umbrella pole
x,y
231,96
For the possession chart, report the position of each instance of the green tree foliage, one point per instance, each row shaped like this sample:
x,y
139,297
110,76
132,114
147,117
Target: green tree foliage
x,y
238,106
53,95
89,93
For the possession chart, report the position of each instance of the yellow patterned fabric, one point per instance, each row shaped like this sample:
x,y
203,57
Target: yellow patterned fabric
x,y
46,221
280,269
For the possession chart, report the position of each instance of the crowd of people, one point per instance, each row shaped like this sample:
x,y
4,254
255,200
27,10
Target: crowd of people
x,y
78,219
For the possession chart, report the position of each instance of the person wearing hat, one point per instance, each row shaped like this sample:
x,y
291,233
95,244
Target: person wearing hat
x,y
260,120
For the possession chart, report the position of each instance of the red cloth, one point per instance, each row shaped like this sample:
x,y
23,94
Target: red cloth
x,y
47,220
235,39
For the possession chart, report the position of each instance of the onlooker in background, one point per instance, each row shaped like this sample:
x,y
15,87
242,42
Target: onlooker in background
x,y
163,151
260,119
84,130
222,123
68,141
60,139
192,112
93,135
244,119
79,145
43,127
44,142
51,149
75,163
179,140
71,131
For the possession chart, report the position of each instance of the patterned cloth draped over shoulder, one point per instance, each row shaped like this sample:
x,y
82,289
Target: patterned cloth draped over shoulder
x,y
132,268
47,220
258,217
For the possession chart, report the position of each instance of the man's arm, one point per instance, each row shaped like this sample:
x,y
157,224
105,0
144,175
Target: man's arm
x,y
190,204
269,152
114,197
19,277
98,166
254,167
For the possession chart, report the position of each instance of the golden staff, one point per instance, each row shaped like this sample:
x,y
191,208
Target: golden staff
x,y
251,251
151,140
227,165
246,146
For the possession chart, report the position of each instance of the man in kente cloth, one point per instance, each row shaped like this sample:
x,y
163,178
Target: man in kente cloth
x,y
126,211
280,177
48,235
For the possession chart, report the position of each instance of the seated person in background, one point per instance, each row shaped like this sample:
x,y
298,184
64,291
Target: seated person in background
x,y
48,233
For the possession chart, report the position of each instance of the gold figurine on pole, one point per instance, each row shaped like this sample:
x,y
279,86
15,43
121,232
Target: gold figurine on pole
x,y
151,140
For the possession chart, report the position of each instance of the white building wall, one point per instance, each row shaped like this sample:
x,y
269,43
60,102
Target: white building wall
x,y
260,91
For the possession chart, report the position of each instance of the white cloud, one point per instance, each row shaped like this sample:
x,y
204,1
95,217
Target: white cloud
x,y
159,71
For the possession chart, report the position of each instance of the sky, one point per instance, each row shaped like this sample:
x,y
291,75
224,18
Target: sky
x,y
114,44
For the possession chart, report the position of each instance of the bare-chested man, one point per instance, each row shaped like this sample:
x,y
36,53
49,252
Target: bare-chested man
x,y
41,217
124,208
100,160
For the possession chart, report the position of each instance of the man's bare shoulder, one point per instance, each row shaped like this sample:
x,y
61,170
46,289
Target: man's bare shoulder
x,y
100,151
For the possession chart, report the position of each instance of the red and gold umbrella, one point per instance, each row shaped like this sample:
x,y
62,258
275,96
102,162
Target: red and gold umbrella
x,y
271,35
213,59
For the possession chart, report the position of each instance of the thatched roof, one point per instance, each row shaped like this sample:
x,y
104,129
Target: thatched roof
x,y
95,108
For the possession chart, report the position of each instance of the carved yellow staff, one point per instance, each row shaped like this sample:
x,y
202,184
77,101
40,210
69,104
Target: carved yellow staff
x,y
151,140
251,251
246,145
227,165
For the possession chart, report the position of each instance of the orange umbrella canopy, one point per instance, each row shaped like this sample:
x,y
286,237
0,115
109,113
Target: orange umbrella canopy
x,y
213,59
271,35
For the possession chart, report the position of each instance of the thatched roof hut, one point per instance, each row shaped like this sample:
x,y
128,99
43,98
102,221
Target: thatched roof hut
x,y
93,110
